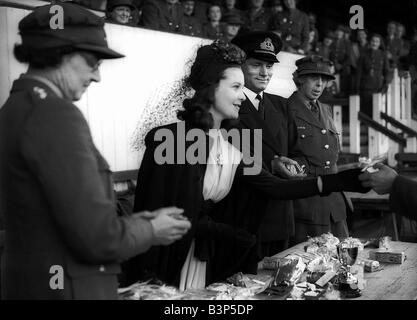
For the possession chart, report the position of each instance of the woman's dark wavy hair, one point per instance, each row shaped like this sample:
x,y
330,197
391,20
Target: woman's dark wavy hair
x,y
207,71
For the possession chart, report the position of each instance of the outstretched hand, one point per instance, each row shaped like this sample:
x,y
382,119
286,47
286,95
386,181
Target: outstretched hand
x,y
381,181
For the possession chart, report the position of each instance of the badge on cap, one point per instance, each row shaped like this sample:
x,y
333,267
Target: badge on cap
x,y
267,45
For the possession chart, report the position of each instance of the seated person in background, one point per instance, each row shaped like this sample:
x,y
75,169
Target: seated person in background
x,y
163,15
372,74
402,190
229,7
323,49
232,24
293,26
276,6
213,29
192,25
121,12
257,18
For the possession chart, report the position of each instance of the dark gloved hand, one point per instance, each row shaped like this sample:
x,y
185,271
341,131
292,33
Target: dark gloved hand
x,y
347,180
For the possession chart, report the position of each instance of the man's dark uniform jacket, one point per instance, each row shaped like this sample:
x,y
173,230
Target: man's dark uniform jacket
x,y
278,137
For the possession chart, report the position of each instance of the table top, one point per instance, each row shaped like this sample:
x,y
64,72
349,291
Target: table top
x,y
393,282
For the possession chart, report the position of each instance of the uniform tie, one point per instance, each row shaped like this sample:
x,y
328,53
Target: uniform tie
x,y
315,110
261,109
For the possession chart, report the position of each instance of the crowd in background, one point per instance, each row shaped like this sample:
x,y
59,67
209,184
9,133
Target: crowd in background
x,y
364,61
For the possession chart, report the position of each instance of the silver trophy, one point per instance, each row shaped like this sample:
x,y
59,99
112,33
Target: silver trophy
x,y
348,283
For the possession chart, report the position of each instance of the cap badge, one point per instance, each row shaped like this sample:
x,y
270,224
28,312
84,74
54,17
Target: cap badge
x,y
267,45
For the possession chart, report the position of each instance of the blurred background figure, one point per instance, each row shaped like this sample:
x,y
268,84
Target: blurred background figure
x,y
257,18
372,73
232,24
358,47
324,48
229,7
392,45
121,12
163,15
192,25
293,26
340,54
276,6
213,29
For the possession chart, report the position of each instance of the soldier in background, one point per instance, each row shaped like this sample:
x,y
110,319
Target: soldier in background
x,y
120,12
192,25
319,143
293,26
392,45
232,24
257,18
358,48
341,55
404,46
372,73
229,7
163,15
213,29
276,6
324,48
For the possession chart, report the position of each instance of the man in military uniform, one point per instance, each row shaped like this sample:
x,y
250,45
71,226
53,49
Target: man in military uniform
x,y
319,142
163,15
257,18
293,26
192,25
372,73
56,192
267,112
341,56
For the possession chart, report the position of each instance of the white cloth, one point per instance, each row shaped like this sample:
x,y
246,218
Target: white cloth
x,y
221,168
252,96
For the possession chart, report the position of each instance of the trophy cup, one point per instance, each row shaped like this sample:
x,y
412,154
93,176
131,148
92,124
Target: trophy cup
x,y
348,283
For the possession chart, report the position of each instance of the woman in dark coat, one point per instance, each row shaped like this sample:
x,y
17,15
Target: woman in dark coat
x,y
167,177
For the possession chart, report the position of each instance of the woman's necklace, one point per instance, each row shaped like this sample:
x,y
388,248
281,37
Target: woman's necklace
x,y
219,156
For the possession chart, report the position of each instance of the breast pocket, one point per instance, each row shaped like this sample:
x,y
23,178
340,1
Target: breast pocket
x,y
305,133
335,139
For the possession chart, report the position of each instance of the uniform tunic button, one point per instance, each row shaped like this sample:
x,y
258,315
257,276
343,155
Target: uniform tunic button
x,y
303,136
327,163
102,268
326,147
323,131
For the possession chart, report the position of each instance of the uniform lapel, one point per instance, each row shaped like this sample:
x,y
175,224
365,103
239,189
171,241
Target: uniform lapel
x,y
303,112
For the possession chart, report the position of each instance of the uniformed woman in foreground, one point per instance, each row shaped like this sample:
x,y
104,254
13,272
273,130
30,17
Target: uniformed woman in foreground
x,y
63,239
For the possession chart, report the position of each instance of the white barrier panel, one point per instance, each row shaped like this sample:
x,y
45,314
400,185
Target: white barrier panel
x,y
354,125
137,92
